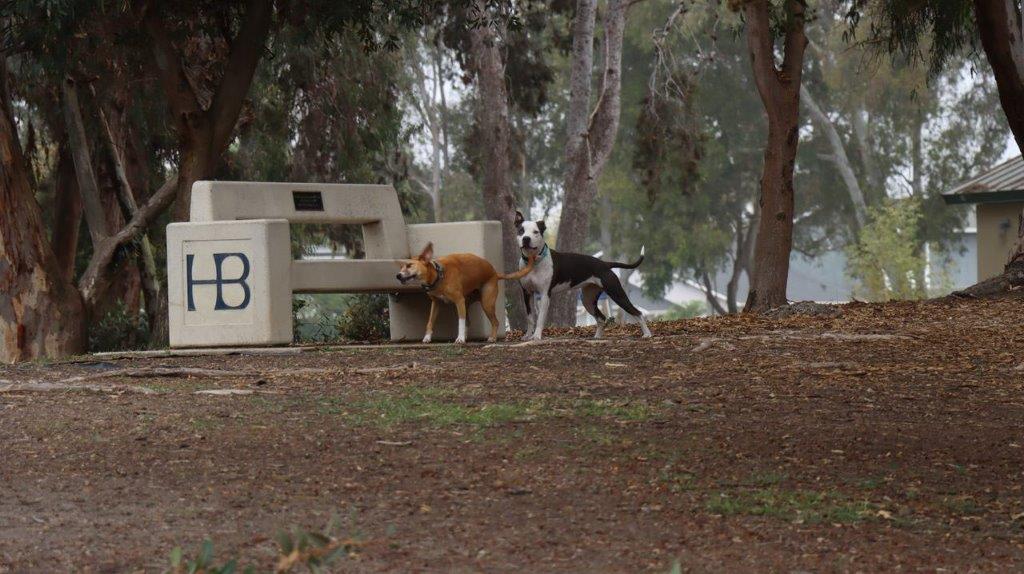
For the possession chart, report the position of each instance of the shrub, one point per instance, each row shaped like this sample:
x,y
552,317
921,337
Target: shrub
x,y
119,330
366,318
313,550
887,260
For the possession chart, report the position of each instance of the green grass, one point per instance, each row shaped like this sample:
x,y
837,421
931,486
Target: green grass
x,y
440,407
791,505
962,505
428,407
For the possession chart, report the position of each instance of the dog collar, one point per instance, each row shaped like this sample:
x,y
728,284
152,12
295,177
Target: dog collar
x,y
543,253
440,275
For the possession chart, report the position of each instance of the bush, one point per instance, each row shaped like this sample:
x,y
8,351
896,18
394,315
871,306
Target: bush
x,y
688,311
366,318
119,330
887,261
312,551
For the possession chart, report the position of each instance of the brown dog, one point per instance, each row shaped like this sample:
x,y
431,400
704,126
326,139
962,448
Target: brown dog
x,y
452,279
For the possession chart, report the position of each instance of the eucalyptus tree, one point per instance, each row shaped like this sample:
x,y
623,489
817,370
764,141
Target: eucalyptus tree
x,y
935,31
204,56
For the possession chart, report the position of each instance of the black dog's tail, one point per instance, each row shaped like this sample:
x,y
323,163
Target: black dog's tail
x,y
634,265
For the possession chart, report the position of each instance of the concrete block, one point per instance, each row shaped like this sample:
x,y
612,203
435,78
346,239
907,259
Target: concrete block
x,y
228,283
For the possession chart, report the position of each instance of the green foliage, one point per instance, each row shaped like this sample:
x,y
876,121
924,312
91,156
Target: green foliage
x,y
331,318
120,329
791,505
929,31
296,548
886,260
203,562
366,318
688,310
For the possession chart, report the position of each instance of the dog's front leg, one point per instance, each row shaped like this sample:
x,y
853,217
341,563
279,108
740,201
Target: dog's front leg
x,y
430,320
460,304
542,316
531,314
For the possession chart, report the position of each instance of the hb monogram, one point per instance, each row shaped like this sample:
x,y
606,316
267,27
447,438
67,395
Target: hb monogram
x,y
219,280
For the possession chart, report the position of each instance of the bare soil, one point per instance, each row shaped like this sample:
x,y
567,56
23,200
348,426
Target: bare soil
x,y
883,438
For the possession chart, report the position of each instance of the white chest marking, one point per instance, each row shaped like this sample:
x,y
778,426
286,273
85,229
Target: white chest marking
x,y
540,278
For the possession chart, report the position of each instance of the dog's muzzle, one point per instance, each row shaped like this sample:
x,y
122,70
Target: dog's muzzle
x,y
403,279
526,242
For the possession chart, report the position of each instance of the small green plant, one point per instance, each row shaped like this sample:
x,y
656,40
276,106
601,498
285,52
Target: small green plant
x,y
120,329
297,548
366,318
687,310
791,505
887,260
202,563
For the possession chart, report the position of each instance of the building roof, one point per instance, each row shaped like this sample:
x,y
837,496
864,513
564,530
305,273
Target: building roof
x,y
1003,183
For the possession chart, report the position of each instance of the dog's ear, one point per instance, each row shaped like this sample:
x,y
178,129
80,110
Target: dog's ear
x,y
519,218
428,252
541,226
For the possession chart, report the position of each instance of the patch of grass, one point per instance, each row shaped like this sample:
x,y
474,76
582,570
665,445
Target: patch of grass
x,y
962,505
791,505
202,423
611,409
452,350
766,479
426,406
595,434
678,481
440,407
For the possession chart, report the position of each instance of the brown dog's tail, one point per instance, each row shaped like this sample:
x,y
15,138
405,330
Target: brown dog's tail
x,y
522,272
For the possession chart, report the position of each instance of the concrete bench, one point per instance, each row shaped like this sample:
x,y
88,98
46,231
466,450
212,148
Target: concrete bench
x,y
231,276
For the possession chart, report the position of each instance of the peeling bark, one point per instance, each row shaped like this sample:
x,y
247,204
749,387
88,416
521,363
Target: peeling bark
x,y
41,314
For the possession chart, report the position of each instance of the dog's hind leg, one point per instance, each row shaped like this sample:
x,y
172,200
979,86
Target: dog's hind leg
x,y
488,300
460,304
613,287
430,321
590,295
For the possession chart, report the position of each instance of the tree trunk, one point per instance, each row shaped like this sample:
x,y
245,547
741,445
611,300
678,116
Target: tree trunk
x,y
840,159
875,192
591,135
741,263
67,214
492,117
1002,37
709,294
41,313
150,279
779,90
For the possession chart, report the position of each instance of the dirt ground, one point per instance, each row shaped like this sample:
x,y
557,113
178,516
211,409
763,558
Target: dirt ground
x,y
884,438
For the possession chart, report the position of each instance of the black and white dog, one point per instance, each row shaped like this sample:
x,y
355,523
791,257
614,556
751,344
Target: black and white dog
x,y
554,272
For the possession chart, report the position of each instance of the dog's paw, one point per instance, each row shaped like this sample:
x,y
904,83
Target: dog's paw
x,y
646,336
492,340
526,337
426,338
460,341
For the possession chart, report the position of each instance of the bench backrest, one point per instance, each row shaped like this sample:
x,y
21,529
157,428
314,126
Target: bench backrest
x,y
375,207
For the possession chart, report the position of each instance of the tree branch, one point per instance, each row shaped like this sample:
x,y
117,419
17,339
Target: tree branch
x,y
604,122
181,97
95,214
245,54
